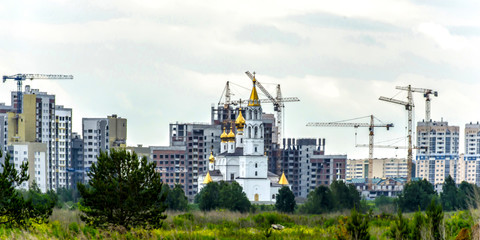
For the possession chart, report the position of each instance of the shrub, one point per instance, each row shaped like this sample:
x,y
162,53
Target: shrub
x,y
73,227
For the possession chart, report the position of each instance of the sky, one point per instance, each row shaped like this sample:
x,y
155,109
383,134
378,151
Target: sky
x,y
159,62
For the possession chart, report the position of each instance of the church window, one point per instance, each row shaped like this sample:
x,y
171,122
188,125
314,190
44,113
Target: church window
x,y
232,176
256,132
256,173
224,147
256,165
231,146
249,132
273,196
241,140
255,114
255,149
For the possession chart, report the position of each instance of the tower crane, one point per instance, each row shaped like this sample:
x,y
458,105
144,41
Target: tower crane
x,y
371,127
426,95
409,108
22,77
278,105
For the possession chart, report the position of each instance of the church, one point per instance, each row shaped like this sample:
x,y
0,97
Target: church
x,y
242,157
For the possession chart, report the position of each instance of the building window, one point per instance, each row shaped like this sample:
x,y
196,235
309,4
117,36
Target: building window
x,y
256,165
256,173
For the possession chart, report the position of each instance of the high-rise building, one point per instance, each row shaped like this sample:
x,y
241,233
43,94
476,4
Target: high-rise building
x,y
306,166
437,153
77,169
40,120
101,135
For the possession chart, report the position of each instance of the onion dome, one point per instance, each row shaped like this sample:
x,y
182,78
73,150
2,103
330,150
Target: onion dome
x,y
224,136
283,179
231,135
211,159
207,179
240,122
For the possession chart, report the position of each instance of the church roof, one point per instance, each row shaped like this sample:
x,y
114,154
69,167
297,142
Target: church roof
x,y
211,158
283,179
254,101
238,152
216,173
207,179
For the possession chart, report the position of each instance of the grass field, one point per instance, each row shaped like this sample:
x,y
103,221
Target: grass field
x,y
66,224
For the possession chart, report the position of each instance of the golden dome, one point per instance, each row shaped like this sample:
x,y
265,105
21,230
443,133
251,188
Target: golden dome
x,y
224,136
207,179
231,135
240,122
211,159
283,179
254,101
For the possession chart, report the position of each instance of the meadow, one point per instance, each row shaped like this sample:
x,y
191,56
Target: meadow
x,y
220,224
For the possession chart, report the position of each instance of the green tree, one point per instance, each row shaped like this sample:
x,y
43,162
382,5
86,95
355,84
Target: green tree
x,y
385,204
208,197
400,229
449,195
124,191
176,199
418,226
435,219
357,225
318,201
344,196
285,200
416,194
466,195
233,198
15,210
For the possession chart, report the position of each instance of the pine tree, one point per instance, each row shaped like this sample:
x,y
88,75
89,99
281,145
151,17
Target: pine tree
x,y
15,211
285,200
176,199
123,191
449,195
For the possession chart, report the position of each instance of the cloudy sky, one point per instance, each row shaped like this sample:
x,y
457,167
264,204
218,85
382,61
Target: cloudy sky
x,y
157,62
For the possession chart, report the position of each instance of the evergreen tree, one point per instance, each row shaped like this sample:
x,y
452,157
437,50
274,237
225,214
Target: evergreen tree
x,y
15,210
416,194
176,199
400,229
466,195
318,201
233,198
357,225
285,200
435,219
208,197
449,195
123,190
344,196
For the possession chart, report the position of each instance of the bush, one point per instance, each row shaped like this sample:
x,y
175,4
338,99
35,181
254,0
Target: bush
x,y
73,227
264,220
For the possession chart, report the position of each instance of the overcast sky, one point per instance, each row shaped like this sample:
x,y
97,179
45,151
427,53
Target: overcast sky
x,y
157,62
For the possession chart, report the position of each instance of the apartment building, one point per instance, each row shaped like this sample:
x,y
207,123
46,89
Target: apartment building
x,y
76,169
437,153
101,135
306,166
35,154
382,168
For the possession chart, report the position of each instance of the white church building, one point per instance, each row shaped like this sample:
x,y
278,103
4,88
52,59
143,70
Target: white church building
x,y
242,157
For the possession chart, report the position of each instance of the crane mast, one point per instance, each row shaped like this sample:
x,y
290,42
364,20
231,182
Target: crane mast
x,y
409,108
371,127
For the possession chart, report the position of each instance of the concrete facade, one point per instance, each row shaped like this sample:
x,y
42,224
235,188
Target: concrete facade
x,y
382,168
35,154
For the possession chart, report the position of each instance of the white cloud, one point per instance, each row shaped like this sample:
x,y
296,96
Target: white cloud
x,y
442,36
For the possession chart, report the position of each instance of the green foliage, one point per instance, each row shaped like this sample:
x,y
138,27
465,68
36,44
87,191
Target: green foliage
x,y
385,204
449,195
399,229
338,197
266,219
67,198
416,194
285,200
15,210
466,195
123,191
318,201
435,219
417,226
357,225
176,199
224,195
457,222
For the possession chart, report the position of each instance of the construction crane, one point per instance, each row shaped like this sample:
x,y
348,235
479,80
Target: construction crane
x,y
426,95
371,127
22,77
278,105
409,108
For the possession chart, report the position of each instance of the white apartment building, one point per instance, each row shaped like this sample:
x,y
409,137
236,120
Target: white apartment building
x,y
469,163
95,139
36,155
437,153
63,146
